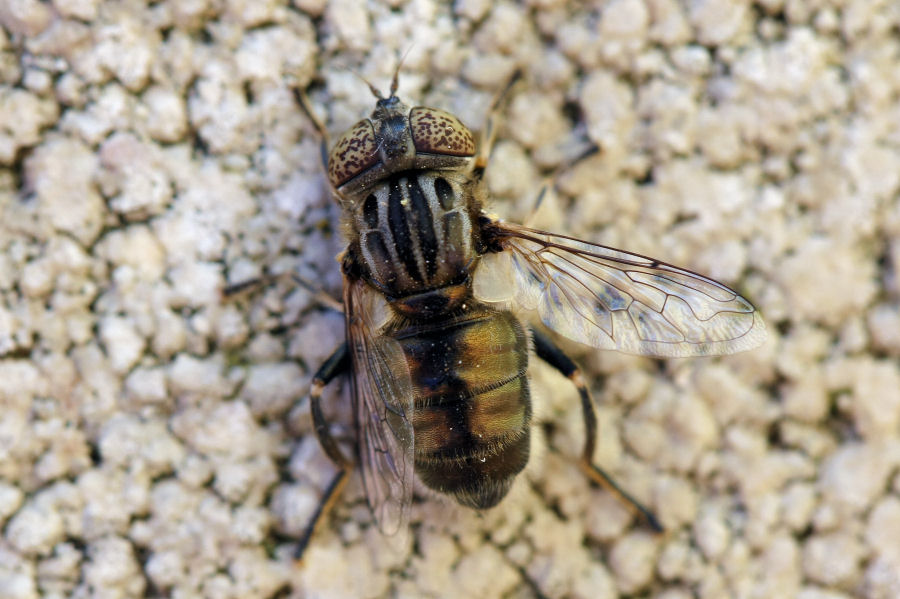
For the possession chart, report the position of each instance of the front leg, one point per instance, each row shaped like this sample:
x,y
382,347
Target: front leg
x,y
489,131
324,144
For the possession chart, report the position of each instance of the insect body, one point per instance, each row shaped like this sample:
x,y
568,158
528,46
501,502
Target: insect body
x,y
440,385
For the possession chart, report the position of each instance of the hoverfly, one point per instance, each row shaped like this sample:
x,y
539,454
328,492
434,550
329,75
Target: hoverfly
x,y
439,380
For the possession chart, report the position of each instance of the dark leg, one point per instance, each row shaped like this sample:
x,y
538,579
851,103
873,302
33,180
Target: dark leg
x,y
489,131
338,363
552,355
548,186
249,285
305,104
324,508
253,284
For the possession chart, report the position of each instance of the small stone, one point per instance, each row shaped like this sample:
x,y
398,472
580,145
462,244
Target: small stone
x,y
632,561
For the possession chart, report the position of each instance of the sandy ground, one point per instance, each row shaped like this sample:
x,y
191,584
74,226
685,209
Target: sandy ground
x,y
155,438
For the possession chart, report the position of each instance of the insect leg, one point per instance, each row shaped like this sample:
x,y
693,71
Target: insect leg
x,y
549,184
323,509
303,101
336,364
555,357
249,285
321,296
489,132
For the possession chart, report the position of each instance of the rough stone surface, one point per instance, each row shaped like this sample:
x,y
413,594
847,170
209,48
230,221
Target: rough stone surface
x,y
154,436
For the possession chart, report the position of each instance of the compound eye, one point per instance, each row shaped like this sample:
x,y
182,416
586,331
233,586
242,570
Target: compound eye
x,y
438,132
354,152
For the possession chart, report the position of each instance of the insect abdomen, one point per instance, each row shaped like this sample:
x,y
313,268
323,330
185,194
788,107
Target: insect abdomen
x,y
415,233
472,404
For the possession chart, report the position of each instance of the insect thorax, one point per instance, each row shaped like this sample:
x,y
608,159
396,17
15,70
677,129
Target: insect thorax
x,y
416,240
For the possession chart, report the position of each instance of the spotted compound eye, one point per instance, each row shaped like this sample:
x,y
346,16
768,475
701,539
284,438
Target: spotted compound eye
x,y
354,153
438,132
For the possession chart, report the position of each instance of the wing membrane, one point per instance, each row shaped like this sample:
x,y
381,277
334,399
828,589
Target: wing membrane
x,y
382,404
611,299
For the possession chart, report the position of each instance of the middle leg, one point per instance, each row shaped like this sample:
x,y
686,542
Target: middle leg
x,y
338,363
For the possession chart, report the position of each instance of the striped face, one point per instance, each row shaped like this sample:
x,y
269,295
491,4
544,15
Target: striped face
x,y
415,232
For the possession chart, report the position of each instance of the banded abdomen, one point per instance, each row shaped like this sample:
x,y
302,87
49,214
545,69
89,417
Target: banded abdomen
x,y
472,403
415,236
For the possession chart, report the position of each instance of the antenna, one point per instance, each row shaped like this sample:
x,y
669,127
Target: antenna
x,y
395,78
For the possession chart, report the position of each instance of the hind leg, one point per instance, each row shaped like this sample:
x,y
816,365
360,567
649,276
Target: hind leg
x,y
555,357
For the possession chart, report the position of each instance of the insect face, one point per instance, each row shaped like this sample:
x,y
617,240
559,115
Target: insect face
x,y
396,138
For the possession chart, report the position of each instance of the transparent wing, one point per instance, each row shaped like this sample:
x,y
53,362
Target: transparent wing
x,y
382,404
612,299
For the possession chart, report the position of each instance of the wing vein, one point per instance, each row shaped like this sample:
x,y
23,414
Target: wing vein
x,y
580,290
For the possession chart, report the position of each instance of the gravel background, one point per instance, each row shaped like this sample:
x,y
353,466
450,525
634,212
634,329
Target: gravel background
x,y
155,439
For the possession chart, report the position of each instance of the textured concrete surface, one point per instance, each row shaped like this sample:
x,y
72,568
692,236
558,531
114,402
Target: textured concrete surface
x,y
154,437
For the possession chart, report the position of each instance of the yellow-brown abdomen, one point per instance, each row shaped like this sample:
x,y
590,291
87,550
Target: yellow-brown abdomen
x,y
472,404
